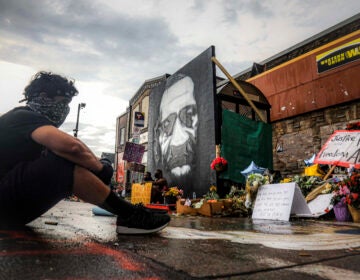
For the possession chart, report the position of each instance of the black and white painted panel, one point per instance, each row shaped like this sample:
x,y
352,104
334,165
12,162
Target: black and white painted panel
x,y
182,126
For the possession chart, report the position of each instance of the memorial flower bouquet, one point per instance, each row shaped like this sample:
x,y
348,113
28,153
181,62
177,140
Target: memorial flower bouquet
x,y
237,197
212,195
339,193
256,180
353,197
253,182
219,164
174,192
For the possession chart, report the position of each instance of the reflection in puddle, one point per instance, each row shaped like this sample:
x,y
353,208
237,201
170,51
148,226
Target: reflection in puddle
x,y
290,241
272,227
348,231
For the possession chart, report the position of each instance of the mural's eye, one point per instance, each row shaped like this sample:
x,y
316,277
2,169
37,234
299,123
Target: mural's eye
x,y
187,114
168,124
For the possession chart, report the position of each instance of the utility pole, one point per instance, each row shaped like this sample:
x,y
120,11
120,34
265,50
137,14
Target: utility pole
x,y
80,106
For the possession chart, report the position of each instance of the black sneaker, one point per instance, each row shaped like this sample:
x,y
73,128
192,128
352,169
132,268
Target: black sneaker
x,y
154,210
142,221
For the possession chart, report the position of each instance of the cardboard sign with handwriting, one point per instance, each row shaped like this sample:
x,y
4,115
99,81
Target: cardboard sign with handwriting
x,y
278,201
341,149
141,193
133,152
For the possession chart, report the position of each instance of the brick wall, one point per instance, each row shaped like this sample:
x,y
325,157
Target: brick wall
x,y
302,136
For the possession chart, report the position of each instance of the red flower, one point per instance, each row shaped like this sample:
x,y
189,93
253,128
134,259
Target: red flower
x,y
353,126
353,200
218,162
348,199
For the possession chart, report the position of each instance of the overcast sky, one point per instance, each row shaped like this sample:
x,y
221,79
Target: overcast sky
x,y
111,47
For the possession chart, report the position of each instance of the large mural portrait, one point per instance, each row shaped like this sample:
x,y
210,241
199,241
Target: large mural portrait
x,y
182,126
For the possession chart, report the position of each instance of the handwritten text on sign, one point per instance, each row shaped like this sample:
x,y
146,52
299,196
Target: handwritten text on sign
x,y
342,149
133,152
141,193
274,202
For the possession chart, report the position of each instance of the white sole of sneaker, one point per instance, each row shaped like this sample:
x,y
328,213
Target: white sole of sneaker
x,y
133,231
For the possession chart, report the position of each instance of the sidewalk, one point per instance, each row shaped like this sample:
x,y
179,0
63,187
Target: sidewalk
x,y
69,242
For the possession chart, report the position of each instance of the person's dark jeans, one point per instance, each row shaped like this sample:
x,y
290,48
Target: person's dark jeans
x,y
32,188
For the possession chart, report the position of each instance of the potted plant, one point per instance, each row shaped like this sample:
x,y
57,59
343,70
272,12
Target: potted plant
x,y
338,200
210,205
172,194
212,195
219,164
234,203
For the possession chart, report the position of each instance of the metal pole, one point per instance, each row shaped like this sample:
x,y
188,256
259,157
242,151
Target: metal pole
x,y
80,106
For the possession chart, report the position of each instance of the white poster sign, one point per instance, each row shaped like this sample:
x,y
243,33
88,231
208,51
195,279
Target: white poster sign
x,y
278,201
318,206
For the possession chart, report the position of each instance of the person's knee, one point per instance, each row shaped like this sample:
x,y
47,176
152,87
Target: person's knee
x,y
55,169
53,162
82,175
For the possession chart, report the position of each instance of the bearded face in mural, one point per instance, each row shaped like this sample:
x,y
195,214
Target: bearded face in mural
x,y
176,128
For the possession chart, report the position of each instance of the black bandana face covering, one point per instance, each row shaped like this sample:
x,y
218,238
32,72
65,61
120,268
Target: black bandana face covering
x,y
54,111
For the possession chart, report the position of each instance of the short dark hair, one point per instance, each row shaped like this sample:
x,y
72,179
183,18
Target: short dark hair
x,y
51,84
159,171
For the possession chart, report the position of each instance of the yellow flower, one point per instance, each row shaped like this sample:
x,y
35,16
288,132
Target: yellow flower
x,y
173,191
213,188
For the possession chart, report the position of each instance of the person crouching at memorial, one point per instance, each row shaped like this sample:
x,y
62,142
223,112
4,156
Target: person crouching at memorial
x,y
41,165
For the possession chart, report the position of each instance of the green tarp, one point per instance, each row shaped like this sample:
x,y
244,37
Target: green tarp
x,y
242,141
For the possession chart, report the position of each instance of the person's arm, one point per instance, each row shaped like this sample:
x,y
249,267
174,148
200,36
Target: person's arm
x,y
66,146
162,182
159,184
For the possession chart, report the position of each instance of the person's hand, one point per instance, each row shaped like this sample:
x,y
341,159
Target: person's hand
x,y
106,172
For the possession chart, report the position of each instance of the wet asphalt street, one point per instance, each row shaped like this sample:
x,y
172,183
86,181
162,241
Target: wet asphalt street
x,y
69,242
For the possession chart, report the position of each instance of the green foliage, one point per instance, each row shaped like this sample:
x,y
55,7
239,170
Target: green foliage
x,y
307,183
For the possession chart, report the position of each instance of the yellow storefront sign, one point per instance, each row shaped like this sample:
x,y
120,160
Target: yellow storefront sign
x,y
338,56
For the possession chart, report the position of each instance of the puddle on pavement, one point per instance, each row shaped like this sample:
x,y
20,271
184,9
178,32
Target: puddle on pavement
x,y
294,234
348,231
296,226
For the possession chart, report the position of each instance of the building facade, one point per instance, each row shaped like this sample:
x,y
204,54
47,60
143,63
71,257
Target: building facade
x,y
126,131
120,140
313,89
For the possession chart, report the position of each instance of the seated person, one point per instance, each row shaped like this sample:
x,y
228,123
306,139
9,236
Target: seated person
x,y
41,165
159,185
